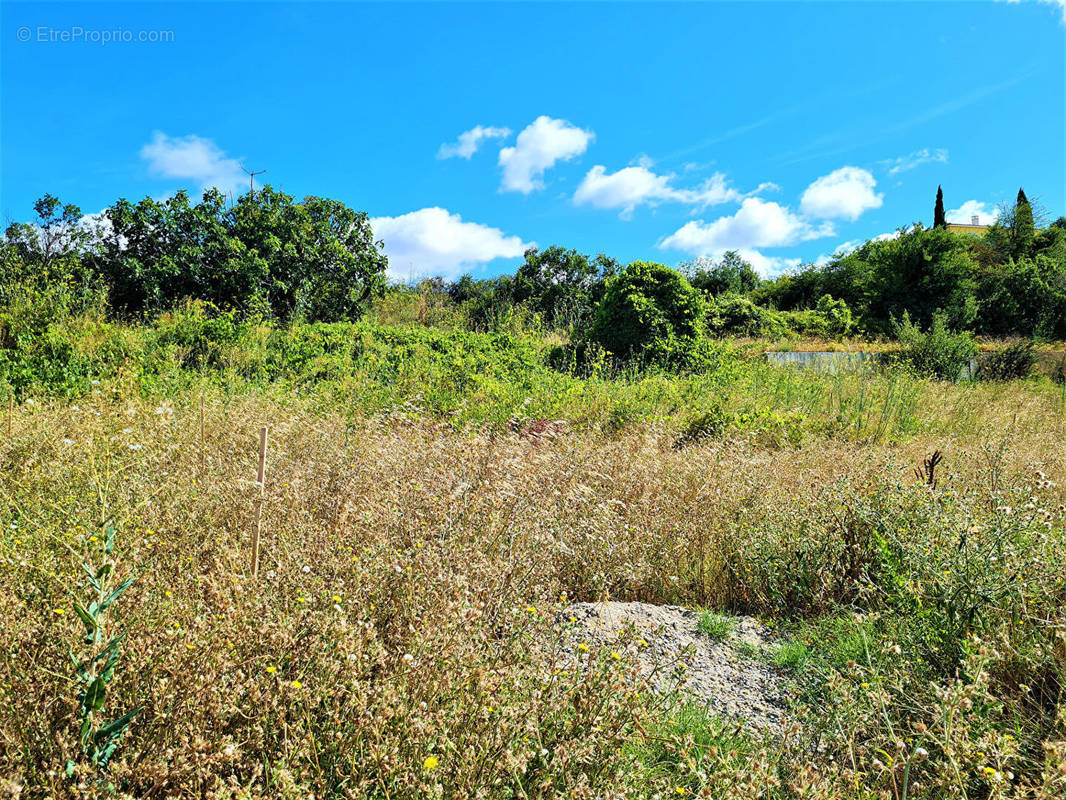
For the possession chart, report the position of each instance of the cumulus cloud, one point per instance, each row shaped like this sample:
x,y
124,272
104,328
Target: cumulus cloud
x,y
542,144
842,194
193,158
469,141
916,159
757,223
636,185
767,266
764,265
985,214
433,241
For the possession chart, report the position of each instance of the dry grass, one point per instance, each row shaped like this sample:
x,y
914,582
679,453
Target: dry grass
x,y
401,640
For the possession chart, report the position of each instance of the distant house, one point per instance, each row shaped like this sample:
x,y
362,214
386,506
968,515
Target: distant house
x,y
974,228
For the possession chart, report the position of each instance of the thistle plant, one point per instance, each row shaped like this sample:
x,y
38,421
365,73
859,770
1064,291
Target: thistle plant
x,y
95,670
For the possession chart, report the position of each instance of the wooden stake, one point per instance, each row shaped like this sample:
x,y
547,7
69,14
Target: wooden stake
x,y
259,502
203,456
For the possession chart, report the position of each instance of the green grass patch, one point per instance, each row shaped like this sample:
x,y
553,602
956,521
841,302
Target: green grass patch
x,y
687,750
790,655
716,626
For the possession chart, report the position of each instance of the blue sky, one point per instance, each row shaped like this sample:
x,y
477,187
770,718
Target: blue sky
x,y
470,131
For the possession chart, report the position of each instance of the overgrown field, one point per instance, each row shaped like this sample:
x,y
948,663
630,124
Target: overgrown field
x,y
425,518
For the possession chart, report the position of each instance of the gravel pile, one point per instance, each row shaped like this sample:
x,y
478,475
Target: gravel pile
x,y
671,653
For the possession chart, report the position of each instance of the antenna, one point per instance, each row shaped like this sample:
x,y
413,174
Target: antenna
x,y
251,178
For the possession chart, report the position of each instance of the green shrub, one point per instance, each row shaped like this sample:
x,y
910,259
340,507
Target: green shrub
x,y
838,318
1015,361
710,424
936,353
732,315
649,312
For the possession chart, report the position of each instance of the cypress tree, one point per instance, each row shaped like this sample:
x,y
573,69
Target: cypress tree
x,y
1023,230
939,220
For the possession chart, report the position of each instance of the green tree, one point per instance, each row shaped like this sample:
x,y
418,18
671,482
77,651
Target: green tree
x,y
53,251
919,271
486,303
1023,229
54,243
560,284
649,311
269,254
939,220
1024,298
319,255
732,274
159,252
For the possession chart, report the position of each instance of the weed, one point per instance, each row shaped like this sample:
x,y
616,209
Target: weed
x,y
96,668
791,655
716,626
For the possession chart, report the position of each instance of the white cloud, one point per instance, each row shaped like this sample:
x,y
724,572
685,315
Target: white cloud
x,y
985,214
842,249
850,246
1060,3
844,193
915,159
470,141
766,266
757,223
886,237
635,185
193,158
433,241
539,146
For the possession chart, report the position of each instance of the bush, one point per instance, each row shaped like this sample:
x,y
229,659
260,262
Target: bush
x,y
732,315
1015,361
837,314
938,353
651,312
